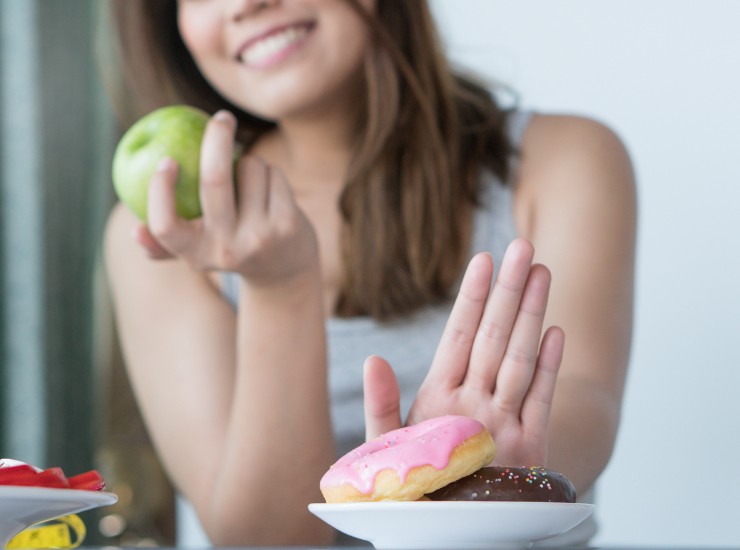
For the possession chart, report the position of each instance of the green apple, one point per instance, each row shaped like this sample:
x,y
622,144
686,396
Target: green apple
x,y
175,131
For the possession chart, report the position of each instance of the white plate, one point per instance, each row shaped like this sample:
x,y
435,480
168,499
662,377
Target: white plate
x,y
21,507
434,525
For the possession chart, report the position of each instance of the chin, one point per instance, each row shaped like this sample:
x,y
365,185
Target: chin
x,y
295,91
276,108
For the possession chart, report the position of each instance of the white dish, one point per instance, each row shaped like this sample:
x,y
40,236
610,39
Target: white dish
x,y
435,525
21,507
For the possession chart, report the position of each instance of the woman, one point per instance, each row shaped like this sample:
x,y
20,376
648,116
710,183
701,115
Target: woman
x,y
371,174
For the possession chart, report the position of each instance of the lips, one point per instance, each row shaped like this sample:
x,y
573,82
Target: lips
x,y
273,45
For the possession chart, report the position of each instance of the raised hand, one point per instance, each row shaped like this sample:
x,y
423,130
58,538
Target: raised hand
x,y
253,227
492,363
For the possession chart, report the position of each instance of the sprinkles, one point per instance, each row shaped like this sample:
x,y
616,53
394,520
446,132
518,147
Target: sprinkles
x,y
528,484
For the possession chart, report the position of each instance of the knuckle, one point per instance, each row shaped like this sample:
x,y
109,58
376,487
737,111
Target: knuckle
x,y
218,177
288,226
258,239
162,229
226,258
458,335
494,331
520,356
477,379
507,404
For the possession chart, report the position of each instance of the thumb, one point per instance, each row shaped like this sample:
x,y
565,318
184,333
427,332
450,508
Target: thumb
x,y
140,233
382,398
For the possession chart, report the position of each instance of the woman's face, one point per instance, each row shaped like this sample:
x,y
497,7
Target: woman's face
x,y
277,58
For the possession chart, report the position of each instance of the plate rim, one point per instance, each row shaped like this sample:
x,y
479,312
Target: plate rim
x,y
447,504
558,518
57,493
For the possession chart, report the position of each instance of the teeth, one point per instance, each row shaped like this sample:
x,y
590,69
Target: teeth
x,y
270,45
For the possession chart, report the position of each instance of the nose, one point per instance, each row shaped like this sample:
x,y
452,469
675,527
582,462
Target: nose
x,y
244,8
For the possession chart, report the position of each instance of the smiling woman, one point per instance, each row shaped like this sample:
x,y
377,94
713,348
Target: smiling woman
x,y
382,201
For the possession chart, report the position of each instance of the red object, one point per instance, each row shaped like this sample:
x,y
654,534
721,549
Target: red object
x,y
27,476
15,472
87,481
53,477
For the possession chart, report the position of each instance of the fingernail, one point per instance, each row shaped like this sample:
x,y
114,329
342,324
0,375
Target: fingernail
x,y
225,116
165,164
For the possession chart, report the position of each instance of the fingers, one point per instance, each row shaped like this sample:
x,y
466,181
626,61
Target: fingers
x,y
520,359
281,200
501,312
264,192
382,398
216,192
172,232
453,353
140,233
538,402
254,187
217,196
204,240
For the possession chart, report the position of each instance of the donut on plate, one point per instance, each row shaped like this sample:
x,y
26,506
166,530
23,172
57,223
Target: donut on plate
x,y
509,483
407,463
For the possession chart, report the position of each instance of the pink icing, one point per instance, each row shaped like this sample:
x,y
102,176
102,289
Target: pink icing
x,y
429,442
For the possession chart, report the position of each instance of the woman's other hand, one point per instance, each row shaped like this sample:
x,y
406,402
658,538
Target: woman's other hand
x,y
492,363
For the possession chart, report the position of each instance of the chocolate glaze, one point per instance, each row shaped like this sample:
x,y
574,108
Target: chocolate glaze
x,y
509,483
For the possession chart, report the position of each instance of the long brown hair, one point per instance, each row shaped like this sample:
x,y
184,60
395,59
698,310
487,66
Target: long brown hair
x,y
428,132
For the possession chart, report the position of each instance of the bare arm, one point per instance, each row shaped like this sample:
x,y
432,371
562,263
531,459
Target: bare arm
x,y
576,203
231,400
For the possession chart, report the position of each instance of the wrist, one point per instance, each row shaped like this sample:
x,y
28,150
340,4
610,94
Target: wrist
x,y
301,286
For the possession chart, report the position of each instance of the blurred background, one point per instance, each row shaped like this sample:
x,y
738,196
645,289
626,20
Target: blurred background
x,y
64,398
663,74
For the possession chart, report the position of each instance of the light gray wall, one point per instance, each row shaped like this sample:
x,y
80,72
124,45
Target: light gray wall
x,y
665,74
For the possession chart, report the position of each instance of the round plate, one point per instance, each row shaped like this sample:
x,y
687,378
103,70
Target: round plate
x,y
21,507
435,525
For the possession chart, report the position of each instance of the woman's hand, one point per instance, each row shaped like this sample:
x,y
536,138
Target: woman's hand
x,y
492,362
254,227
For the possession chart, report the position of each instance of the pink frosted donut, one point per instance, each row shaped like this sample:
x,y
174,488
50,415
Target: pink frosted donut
x,y
408,463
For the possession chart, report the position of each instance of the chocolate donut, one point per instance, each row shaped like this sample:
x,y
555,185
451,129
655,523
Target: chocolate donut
x,y
509,483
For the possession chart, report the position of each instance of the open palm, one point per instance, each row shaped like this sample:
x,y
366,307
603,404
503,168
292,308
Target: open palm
x,y
492,363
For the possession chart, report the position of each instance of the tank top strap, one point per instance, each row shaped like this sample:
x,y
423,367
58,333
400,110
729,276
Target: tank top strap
x,y
516,125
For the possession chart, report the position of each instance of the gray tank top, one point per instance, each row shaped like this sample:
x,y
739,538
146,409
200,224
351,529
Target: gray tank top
x,y
408,343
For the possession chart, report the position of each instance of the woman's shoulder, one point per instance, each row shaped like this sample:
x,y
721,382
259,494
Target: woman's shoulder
x,y
570,162
551,138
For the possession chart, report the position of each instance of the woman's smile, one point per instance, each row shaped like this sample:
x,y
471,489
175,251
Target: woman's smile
x,y
293,57
274,45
